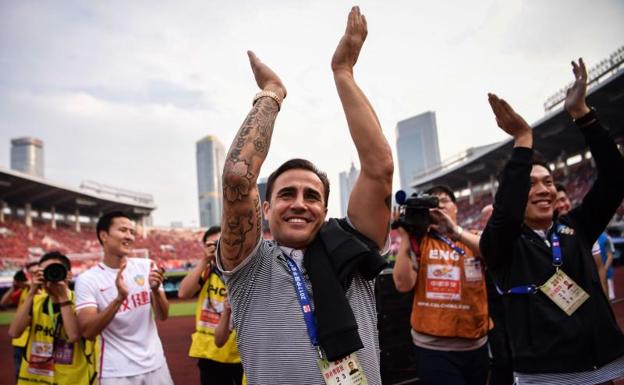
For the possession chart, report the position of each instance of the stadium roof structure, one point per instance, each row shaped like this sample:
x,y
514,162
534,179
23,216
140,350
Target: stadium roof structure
x,y
554,136
17,189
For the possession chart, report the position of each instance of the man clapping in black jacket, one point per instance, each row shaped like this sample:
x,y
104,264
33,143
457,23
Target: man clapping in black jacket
x,y
560,325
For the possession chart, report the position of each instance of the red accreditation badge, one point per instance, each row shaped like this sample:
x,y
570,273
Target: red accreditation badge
x,y
210,314
41,362
443,282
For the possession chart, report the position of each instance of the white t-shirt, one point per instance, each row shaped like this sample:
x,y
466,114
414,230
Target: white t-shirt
x,y
129,343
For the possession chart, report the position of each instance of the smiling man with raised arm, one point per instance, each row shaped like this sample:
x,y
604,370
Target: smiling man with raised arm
x,y
561,327
305,301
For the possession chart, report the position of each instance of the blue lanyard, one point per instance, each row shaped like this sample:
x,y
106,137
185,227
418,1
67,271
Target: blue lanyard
x,y
557,260
452,245
304,303
557,257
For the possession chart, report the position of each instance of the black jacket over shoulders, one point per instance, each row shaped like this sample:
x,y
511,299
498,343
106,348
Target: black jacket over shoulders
x,y
543,338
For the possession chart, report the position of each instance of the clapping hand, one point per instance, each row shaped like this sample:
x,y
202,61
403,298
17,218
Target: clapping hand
x,y
122,288
511,122
351,43
266,79
575,96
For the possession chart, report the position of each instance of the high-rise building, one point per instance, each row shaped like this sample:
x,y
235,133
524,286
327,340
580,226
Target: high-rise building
x,y
210,160
27,156
347,181
417,147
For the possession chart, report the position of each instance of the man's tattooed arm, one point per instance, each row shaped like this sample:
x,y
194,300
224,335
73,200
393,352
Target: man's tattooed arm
x,y
242,220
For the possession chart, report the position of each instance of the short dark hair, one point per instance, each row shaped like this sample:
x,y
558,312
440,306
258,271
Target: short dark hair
x,y
211,230
540,160
442,189
560,187
300,164
106,220
58,256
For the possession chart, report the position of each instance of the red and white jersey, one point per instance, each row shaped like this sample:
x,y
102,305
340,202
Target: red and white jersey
x,y
129,343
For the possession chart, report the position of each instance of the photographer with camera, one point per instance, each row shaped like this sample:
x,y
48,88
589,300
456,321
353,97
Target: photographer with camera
x,y
54,352
214,342
16,296
437,259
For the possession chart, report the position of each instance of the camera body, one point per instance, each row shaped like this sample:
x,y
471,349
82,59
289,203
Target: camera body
x,y
414,214
55,272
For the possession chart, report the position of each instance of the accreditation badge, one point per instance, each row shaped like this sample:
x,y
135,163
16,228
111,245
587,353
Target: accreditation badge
x,y
564,292
63,352
210,313
345,371
473,269
41,362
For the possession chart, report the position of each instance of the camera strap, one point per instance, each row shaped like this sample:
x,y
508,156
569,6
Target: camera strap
x,y
448,242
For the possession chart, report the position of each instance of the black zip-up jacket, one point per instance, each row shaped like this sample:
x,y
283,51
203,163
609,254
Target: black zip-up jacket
x,y
542,337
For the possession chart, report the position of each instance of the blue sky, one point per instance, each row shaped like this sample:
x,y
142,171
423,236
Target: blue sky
x,y
121,91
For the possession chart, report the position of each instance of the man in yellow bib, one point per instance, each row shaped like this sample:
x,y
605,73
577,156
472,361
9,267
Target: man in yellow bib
x,y
55,352
21,290
219,362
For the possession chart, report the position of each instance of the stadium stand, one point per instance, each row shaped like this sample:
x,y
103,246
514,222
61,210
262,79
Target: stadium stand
x,y
472,174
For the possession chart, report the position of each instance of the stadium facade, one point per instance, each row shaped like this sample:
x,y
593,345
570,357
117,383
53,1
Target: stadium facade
x,y
417,147
210,161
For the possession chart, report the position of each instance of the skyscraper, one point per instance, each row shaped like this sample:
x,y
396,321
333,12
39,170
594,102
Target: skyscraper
x,y
27,156
347,181
417,147
210,160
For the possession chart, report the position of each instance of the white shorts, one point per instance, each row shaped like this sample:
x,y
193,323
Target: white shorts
x,y
159,376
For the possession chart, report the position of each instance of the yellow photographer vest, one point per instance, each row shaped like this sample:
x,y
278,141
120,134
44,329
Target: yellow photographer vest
x,y
207,316
21,340
54,361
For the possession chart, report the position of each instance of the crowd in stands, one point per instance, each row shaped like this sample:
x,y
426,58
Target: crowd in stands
x,y
173,248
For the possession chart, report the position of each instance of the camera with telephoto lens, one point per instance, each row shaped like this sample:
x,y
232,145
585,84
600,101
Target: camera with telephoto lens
x,y
55,272
414,214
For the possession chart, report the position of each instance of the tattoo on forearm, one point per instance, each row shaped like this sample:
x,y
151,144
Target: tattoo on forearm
x,y
242,166
257,129
237,228
237,181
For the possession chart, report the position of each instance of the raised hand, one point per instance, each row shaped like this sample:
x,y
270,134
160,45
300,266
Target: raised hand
x,y
511,122
442,223
396,213
227,308
57,290
36,280
156,277
266,79
122,288
575,96
350,44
